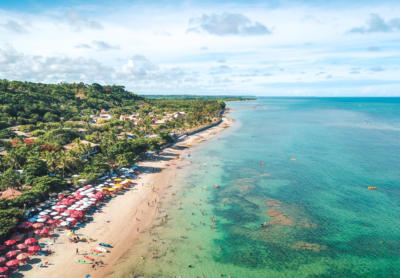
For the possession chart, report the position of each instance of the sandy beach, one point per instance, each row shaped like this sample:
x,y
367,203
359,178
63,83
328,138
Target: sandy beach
x,y
122,220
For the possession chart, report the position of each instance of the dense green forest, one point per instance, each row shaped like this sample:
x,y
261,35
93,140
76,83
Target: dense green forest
x,y
217,97
48,131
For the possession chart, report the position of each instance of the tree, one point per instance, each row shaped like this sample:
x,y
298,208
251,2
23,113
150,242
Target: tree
x,y
47,184
154,144
34,168
126,159
10,179
50,117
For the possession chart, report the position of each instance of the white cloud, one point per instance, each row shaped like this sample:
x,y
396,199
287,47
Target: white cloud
x,y
376,24
227,24
80,22
13,26
103,46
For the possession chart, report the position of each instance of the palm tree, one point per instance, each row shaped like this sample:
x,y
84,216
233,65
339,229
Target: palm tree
x,y
51,159
63,162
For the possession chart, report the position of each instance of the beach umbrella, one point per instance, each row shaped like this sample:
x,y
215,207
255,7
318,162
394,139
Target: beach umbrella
x,y
54,213
37,225
69,211
93,199
37,232
22,246
11,253
53,194
59,209
79,209
70,219
12,263
2,247
41,220
65,223
65,214
47,210
62,206
34,248
25,225
10,242
45,217
4,269
51,221
82,193
30,241
43,213
44,231
2,259
57,217
23,256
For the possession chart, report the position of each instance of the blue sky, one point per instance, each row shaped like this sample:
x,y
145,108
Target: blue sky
x,y
286,48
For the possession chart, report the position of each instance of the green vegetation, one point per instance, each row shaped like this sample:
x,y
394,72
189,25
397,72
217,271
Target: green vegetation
x,y
54,120
222,98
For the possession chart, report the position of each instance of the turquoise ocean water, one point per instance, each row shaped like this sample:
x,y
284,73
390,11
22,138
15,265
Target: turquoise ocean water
x,y
322,221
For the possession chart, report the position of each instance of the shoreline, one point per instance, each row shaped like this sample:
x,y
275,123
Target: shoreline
x,y
122,212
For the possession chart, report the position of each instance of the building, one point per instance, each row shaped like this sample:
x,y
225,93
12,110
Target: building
x,y
95,147
10,194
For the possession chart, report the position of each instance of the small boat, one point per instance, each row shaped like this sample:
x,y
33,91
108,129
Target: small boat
x,y
371,187
94,250
89,258
97,254
105,245
83,262
293,159
262,163
101,249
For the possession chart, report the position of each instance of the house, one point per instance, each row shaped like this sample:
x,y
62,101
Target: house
x,y
3,152
179,115
10,194
95,147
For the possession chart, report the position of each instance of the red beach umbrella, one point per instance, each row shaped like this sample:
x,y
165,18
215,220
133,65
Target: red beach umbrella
x,y
59,209
22,246
10,242
45,216
70,211
30,241
37,232
51,221
12,263
2,247
37,225
45,231
2,259
11,253
3,269
34,248
25,225
23,256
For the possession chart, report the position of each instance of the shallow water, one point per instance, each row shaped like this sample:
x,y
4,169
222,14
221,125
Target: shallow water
x,y
322,219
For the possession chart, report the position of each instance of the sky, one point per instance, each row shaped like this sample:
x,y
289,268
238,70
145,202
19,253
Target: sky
x,y
262,48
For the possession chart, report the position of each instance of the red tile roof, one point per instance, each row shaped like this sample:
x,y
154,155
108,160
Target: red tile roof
x,y
10,194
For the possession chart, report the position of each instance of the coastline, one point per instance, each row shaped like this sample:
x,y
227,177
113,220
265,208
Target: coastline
x,y
122,212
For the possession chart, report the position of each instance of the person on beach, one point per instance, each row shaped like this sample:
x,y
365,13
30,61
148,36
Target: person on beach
x,y
77,251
